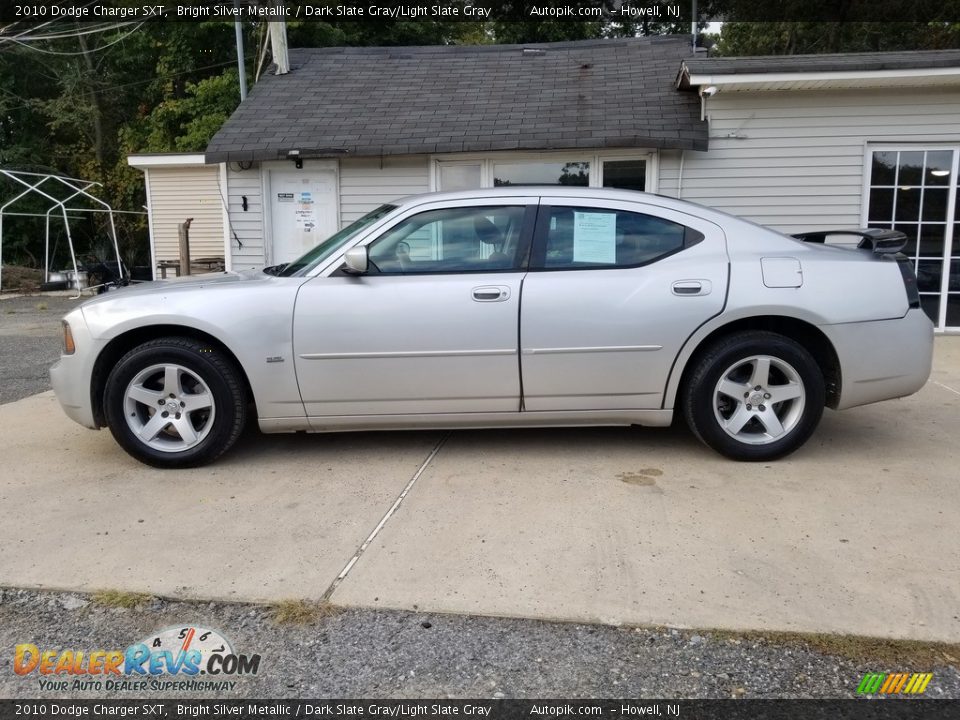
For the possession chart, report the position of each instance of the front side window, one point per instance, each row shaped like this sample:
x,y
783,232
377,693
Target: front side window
x,y
464,239
585,238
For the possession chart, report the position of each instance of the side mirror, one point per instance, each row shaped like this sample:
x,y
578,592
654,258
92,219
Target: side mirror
x,y
356,261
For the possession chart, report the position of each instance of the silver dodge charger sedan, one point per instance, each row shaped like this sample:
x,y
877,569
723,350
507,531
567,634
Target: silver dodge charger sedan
x,y
519,306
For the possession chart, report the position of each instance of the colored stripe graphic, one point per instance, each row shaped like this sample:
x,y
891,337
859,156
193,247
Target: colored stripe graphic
x,y
923,679
870,683
894,683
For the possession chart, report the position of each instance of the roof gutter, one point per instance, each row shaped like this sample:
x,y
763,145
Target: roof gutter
x,y
687,78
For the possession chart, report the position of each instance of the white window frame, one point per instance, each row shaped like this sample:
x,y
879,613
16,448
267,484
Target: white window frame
x,y
595,158
952,218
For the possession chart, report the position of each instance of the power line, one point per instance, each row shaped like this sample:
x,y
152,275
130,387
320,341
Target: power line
x,y
44,24
67,35
82,52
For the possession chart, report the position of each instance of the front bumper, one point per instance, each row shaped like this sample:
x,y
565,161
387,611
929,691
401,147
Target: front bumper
x,y
883,359
71,374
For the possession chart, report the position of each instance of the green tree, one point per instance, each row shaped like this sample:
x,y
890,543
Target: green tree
x,y
185,123
79,103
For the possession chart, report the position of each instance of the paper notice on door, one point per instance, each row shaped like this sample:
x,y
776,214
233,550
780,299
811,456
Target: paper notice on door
x,y
595,237
306,220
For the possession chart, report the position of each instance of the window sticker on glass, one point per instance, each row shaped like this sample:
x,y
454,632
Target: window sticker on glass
x,y
594,237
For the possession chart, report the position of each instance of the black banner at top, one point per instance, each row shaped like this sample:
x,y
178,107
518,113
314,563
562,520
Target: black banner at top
x,y
483,10
482,709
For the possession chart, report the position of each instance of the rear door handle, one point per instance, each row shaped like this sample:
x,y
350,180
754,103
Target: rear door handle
x,y
491,293
691,287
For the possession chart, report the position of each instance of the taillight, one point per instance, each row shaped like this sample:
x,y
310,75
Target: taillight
x,y
68,346
909,281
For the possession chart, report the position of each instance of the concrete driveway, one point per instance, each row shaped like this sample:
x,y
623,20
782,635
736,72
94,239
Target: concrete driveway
x,y
856,533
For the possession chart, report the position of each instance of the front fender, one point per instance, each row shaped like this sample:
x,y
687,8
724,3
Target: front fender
x,y
252,321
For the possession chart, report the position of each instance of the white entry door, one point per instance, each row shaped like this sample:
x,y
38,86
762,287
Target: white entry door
x,y
303,211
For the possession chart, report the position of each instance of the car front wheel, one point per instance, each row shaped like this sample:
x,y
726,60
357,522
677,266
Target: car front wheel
x,y
754,396
175,402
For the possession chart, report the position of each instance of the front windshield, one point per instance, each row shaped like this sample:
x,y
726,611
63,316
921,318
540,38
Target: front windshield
x,y
325,249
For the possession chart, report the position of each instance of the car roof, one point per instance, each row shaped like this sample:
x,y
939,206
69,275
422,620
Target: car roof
x,y
567,191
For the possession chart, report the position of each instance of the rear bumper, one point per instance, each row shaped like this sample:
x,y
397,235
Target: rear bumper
x,y
883,359
70,375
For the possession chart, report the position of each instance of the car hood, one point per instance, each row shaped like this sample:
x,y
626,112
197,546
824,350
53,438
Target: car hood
x,y
180,285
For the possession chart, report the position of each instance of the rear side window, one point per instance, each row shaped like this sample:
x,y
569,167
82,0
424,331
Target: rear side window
x,y
571,238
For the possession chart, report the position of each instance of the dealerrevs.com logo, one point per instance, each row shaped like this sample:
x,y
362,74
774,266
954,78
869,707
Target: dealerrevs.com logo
x,y
177,658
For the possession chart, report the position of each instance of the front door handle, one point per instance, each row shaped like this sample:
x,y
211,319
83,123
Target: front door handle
x,y
491,293
691,287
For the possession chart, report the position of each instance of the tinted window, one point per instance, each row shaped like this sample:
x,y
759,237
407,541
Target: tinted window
x,y
625,174
541,173
471,239
597,238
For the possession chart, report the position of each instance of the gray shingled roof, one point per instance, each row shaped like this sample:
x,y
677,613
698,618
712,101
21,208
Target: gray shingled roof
x,y
407,100
861,62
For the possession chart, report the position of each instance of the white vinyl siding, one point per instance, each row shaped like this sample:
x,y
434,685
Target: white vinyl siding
x,y
247,226
178,193
799,161
367,183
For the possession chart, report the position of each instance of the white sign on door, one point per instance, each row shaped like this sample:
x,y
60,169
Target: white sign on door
x,y
304,211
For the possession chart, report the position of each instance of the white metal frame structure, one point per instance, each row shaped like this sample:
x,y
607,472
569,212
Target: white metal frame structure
x,y
77,188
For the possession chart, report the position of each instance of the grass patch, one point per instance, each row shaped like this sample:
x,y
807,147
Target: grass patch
x,y
41,306
119,599
893,654
301,612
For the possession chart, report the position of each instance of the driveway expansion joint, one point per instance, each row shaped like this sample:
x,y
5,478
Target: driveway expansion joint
x,y
383,521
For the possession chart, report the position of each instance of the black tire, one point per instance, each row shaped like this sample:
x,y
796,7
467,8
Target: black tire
x,y
199,361
705,410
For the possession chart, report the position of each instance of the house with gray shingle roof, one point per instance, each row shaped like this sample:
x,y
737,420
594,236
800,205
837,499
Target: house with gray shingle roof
x,y
793,142
375,102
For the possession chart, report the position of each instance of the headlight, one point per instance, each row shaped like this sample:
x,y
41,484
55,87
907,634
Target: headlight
x,y
69,348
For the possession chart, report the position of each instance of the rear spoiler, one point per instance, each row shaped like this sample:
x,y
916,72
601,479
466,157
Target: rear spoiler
x,y
881,241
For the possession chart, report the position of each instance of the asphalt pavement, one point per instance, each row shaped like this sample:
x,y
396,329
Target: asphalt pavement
x,y
30,339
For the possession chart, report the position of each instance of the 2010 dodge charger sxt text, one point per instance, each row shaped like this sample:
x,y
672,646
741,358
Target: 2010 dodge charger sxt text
x,y
508,307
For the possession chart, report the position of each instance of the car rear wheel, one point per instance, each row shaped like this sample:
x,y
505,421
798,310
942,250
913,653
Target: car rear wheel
x,y
754,396
175,402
